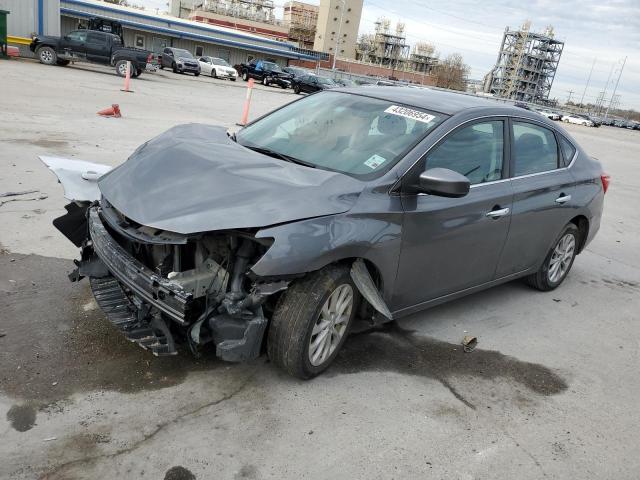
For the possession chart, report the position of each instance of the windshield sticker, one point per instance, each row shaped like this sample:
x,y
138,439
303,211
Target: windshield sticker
x,y
374,161
410,113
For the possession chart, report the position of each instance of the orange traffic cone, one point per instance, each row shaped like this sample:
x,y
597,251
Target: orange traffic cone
x,y
112,111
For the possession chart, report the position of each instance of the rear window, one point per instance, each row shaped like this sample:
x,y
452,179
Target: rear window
x,y
568,150
535,149
97,38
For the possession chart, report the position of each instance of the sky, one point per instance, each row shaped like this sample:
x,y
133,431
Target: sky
x,y
606,31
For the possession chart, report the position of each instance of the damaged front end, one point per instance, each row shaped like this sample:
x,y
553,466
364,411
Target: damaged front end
x,y
162,288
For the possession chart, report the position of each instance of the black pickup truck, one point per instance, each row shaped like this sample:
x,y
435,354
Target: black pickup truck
x,y
267,72
90,46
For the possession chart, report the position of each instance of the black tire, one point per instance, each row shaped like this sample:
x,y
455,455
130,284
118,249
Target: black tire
x,y
196,74
121,68
233,79
174,68
265,81
214,74
296,314
62,63
284,87
541,279
47,55
296,89
245,76
161,67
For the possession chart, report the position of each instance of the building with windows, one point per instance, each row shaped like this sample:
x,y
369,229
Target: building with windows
x,y
337,30
154,32
301,19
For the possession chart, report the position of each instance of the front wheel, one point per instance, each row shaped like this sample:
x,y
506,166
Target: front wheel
x,y
312,320
214,74
245,76
265,81
296,89
558,262
174,68
196,73
47,55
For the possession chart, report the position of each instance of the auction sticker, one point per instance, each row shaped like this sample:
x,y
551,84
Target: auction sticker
x,y
374,161
410,113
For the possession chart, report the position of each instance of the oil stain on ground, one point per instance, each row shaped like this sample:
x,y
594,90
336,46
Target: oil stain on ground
x,y
394,349
58,342
22,417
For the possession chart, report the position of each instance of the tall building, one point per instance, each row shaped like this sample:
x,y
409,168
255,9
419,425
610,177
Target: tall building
x,y
183,8
526,65
301,19
338,24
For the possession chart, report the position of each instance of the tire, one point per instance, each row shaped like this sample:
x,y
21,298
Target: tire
x,y
47,55
284,87
543,279
296,89
174,68
121,68
265,81
245,76
62,63
161,67
214,74
300,310
233,79
196,74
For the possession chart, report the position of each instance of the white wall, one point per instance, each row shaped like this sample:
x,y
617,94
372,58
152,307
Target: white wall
x,y
23,19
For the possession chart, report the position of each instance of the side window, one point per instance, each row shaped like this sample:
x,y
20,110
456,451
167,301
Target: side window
x,y
77,36
96,38
568,150
475,151
535,149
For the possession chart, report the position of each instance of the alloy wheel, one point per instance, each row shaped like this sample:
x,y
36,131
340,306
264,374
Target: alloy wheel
x,y
46,56
561,258
331,324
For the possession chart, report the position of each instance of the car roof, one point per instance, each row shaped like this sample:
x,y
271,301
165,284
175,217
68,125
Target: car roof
x,y
440,101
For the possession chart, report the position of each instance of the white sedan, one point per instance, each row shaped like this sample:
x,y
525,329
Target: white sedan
x,y
549,114
217,68
577,119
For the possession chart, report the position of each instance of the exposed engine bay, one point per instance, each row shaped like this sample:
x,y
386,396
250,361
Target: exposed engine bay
x,y
161,288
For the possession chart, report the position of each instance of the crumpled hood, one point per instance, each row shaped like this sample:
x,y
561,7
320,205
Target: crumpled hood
x,y
194,178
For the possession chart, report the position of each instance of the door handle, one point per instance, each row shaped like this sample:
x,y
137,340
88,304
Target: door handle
x,y
562,199
498,213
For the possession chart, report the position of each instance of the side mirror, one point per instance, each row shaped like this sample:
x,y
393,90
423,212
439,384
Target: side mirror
x,y
443,182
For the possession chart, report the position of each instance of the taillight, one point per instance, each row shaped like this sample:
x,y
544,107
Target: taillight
x,y
606,179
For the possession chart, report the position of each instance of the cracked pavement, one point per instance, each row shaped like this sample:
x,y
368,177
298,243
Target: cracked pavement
x,y
551,391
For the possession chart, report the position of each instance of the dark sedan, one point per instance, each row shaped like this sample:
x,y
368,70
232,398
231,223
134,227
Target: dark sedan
x,y
375,203
312,83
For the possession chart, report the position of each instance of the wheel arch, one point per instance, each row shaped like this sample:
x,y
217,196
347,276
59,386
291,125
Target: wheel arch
x,y
582,223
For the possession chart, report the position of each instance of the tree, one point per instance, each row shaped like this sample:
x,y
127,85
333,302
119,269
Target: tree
x,y
452,72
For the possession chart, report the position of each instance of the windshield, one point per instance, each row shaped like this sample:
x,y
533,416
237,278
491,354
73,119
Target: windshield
x,y
178,52
325,81
220,61
347,133
274,67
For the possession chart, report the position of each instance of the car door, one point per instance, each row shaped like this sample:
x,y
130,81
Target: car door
x,y
453,244
97,47
543,188
205,65
73,44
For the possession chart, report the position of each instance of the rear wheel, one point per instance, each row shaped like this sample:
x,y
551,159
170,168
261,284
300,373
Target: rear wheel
x,y
62,63
312,321
121,68
558,262
296,89
196,73
47,55
245,76
265,81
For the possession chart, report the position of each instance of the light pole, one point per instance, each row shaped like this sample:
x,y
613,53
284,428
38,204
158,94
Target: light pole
x,y
335,51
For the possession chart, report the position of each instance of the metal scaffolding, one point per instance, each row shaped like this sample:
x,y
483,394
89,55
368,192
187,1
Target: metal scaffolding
x,y
384,47
526,65
256,10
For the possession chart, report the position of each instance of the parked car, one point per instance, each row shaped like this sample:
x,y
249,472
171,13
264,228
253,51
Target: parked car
x,y
312,83
375,203
549,114
345,82
577,119
179,60
217,68
90,46
269,73
522,105
595,120
296,71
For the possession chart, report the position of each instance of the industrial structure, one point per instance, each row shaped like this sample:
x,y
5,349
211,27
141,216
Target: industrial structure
x,y
337,30
302,19
390,48
526,65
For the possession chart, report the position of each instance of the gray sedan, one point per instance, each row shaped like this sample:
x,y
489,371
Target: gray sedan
x,y
345,204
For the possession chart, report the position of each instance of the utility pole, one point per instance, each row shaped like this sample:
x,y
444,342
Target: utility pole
x,y
335,51
588,80
616,87
570,93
